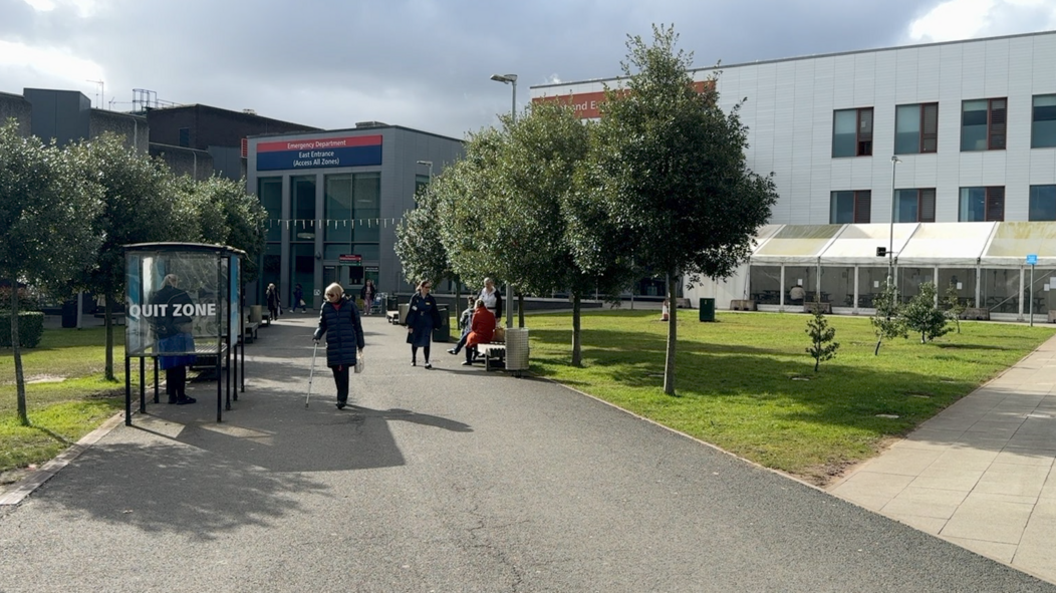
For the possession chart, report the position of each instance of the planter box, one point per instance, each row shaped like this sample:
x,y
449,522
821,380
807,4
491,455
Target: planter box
x,y
742,305
823,307
976,313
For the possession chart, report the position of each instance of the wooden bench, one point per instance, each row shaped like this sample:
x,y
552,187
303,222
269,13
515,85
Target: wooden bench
x,y
251,332
392,317
494,352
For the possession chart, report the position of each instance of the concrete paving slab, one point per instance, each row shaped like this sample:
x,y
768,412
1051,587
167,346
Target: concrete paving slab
x,y
925,502
988,520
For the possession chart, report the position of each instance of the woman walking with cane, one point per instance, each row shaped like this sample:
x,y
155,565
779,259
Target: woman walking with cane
x,y
339,320
422,316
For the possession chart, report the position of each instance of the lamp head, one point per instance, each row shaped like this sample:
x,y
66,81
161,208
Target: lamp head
x,y
504,78
895,159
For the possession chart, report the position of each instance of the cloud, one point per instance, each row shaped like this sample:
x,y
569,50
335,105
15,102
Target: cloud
x,y
419,63
965,19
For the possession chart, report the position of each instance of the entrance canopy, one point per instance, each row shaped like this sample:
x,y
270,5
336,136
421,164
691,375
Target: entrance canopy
x,y
925,244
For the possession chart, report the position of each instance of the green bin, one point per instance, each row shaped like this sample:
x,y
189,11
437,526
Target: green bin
x,y
707,309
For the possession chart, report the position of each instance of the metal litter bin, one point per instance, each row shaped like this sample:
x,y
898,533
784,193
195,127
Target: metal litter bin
x,y
443,333
517,349
69,314
707,309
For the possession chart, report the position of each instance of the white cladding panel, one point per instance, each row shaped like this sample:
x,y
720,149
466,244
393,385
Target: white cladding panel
x,y
789,112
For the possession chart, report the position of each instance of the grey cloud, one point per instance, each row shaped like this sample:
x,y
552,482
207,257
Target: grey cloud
x,y
420,63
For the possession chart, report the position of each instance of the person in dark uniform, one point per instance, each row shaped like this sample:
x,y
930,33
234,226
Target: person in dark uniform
x,y
173,331
339,320
423,315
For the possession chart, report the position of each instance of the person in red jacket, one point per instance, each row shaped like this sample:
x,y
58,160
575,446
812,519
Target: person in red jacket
x,y
481,331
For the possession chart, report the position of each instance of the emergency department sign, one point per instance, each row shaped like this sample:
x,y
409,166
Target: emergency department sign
x,y
316,153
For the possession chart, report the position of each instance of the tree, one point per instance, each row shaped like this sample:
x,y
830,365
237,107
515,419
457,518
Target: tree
x,y
954,306
418,242
822,346
672,172
45,215
886,322
922,316
139,206
225,214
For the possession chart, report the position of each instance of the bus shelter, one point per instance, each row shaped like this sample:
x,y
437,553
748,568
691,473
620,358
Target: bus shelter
x,y
200,328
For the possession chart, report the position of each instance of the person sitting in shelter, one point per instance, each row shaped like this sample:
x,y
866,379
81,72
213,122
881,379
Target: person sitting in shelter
x,y
796,294
481,331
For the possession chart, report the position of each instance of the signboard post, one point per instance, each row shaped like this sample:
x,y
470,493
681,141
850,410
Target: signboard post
x,y
1032,260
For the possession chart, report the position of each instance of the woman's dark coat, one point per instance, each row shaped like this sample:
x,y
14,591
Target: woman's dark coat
x,y
423,315
344,333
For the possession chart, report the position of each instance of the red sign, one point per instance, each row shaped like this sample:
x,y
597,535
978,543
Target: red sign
x,y
587,105
350,258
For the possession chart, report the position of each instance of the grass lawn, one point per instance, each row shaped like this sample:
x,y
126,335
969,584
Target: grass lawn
x,y
746,383
66,395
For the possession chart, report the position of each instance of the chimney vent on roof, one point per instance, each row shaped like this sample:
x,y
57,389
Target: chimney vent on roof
x,y
371,124
249,111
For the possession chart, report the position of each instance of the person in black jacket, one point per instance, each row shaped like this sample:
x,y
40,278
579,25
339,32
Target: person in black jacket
x,y
172,327
423,315
339,320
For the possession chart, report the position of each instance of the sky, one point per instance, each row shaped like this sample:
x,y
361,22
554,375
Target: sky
x,y
426,64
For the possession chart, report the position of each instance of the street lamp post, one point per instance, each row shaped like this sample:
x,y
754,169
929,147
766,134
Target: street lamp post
x,y
509,79
891,236
430,165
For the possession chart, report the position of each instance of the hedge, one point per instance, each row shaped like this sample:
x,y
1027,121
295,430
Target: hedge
x,y
30,328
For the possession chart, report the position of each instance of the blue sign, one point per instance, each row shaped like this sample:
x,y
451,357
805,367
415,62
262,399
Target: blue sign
x,y
1032,259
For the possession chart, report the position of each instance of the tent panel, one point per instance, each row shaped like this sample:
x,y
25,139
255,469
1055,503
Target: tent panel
x,y
946,244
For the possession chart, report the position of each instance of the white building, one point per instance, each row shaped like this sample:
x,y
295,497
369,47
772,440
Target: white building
x,y
973,126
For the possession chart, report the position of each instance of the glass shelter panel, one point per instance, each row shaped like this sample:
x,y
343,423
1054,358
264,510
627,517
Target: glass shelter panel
x,y
177,301
909,281
765,284
1043,291
1000,290
961,280
837,286
870,285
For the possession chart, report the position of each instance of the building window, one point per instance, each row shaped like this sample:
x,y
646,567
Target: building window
x,y
850,207
983,124
185,136
269,191
915,205
852,132
982,204
338,215
917,128
366,205
1043,202
1043,128
302,192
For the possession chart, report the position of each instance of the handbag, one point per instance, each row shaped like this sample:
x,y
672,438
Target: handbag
x,y
359,362
301,302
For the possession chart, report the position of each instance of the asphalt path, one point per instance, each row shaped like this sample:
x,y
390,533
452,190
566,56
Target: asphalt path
x,y
451,479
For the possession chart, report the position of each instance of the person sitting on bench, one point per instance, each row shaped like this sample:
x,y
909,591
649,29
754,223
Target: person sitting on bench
x,y
481,331
464,324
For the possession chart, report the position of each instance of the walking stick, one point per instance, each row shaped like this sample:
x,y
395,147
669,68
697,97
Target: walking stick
x,y
311,373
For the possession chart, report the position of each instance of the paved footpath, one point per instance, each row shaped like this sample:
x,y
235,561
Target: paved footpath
x,y
979,474
452,479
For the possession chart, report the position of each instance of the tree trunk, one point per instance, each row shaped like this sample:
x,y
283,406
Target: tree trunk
x,y
16,346
577,345
108,309
520,309
672,337
876,351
